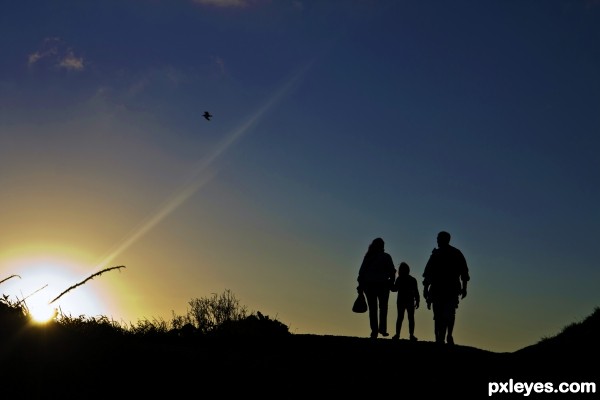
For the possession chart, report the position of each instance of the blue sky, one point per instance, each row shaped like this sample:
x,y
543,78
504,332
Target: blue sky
x,y
335,122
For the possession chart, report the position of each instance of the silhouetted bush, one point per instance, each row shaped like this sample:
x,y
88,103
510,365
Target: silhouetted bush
x,y
13,315
223,315
209,313
217,315
91,327
253,325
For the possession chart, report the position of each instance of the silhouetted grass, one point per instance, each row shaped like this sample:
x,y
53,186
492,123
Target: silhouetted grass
x,y
576,336
585,332
218,315
217,344
85,280
10,277
252,353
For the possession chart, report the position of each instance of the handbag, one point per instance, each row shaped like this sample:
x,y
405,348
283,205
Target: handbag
x,y
360,304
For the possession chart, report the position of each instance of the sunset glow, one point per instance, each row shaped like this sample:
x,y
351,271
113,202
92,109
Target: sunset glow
x,y
42,278
332,123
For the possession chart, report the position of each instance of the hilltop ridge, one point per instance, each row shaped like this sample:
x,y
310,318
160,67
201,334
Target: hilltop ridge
x,y
39,362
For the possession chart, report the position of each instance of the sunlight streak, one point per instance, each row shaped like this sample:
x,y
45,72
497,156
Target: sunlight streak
x,y
200,176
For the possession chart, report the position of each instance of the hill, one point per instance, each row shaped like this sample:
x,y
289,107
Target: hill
x,y
46,362
578,337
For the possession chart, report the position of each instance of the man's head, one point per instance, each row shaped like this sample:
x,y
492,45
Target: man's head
x,y
443,239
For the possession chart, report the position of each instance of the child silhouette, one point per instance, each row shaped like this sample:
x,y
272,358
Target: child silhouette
x,y
407,301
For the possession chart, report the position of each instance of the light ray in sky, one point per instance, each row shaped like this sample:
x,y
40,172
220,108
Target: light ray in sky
x,y
200,175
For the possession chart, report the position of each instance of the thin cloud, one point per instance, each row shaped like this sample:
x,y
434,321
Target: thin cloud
x,y
34,57
56,54
71,62
49,49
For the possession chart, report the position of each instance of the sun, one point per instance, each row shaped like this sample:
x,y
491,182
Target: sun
x,y
39,280
41,312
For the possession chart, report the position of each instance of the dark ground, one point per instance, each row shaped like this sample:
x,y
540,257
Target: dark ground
x,y
47,364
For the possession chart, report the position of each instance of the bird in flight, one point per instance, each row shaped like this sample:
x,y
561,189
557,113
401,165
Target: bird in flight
x,y
207,115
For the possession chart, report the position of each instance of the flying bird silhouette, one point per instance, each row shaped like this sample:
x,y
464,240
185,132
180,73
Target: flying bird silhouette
x,y
207,115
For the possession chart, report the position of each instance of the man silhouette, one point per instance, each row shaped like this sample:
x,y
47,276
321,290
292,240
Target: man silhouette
x,y
445,280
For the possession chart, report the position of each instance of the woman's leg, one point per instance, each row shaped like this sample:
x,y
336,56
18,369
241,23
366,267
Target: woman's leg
x,y
384,296
371,296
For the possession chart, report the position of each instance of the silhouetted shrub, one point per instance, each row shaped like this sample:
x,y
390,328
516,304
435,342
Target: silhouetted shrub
x,y
13,315
217,315
222,315
91,328
208,313
255,325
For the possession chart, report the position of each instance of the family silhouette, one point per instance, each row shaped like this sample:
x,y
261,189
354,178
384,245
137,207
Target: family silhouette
x,y
445,279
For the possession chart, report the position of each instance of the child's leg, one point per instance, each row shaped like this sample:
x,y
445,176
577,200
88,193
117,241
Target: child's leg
x,y
410,312
399,319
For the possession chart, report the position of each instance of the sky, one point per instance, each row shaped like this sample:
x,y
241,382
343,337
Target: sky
x,y
334,122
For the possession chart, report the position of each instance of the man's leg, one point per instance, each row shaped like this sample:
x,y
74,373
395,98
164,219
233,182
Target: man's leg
x,y
451,318
410,312
438,323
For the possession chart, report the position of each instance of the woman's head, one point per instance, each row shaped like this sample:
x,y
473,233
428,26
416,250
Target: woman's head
x,y
377,245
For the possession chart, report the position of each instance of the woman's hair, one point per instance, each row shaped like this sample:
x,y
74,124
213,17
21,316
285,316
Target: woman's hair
x,y
376,246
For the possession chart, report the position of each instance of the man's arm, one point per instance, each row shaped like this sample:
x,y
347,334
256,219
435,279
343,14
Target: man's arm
x,y
464,275
426,293
416,293
463,292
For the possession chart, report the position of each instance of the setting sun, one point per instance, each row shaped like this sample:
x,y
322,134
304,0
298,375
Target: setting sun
x,y
41,312
38,283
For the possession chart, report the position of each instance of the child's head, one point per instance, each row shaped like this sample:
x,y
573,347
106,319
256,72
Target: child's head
x,y
403,269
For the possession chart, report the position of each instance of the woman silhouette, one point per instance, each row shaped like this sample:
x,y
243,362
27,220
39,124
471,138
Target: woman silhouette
x,y
375,278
